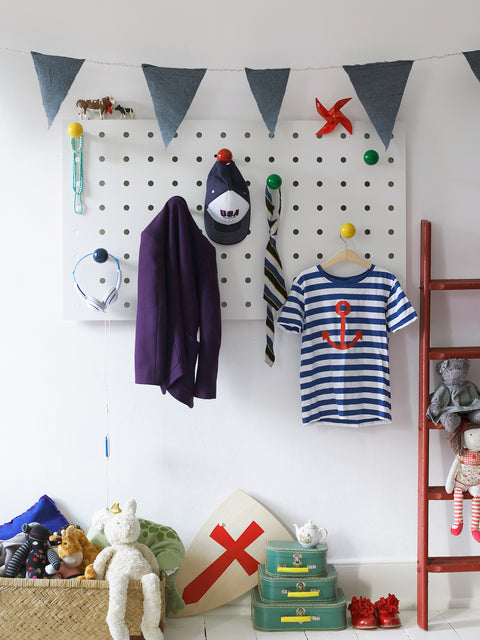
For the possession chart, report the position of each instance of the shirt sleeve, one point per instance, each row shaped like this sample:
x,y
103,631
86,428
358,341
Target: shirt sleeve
x,y
292,315
400,312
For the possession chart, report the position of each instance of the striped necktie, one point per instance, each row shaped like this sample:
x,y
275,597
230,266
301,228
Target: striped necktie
x,y
274,292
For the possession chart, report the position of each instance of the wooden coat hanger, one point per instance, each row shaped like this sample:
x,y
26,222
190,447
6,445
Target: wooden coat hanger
x,y
346,254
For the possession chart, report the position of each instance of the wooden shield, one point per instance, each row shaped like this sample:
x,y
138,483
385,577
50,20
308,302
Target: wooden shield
x,y
222,561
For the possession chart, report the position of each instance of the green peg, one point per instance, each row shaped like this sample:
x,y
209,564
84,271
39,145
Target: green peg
x,y
274,181
370,156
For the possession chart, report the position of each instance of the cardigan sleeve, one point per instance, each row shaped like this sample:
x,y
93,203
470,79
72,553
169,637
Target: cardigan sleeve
x,y
210,330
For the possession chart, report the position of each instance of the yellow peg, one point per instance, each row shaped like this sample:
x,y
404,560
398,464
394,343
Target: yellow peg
x,y
75,130
347,230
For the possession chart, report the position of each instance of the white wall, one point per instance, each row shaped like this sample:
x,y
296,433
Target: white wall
x,y
181,463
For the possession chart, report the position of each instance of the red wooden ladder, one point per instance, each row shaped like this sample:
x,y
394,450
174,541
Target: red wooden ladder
x,y
425,563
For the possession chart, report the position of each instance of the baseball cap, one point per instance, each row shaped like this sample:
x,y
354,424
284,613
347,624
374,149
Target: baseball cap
x,y
227,204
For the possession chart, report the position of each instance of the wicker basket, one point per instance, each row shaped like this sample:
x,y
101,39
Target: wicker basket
x,y
65,609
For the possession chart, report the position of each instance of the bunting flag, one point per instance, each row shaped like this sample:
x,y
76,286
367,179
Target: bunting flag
x,y
379,87
172,92
268,88
473,59
55,75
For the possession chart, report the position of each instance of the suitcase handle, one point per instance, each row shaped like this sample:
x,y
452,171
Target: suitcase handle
x,y
292,569
303,594
296,619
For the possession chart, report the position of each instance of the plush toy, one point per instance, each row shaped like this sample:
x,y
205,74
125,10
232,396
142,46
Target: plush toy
x,y
34,554
456,397
124,560
464,475
76,551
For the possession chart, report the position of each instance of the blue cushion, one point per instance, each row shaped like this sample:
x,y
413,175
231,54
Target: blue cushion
x,y
43,511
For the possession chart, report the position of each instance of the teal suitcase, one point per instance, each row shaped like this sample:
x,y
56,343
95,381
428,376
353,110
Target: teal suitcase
x,y
287,588
295,615
290,558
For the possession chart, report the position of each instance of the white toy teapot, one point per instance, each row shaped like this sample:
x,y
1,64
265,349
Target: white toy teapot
x,y
310,535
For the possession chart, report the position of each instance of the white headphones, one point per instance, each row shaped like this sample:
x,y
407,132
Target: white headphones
x,y
100,255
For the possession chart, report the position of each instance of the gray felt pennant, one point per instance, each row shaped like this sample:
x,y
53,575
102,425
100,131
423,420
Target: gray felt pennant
x,y
473,59
268,88
379,87
172,92
55,75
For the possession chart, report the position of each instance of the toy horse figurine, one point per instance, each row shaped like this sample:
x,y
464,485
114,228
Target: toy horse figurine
x,y
464,475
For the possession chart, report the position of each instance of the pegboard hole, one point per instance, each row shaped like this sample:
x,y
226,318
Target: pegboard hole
x,y
295,232
126,134
367,183
101,134
366,136
101,207
126,280
391,160
319,159
199,159
150,134
223,280
248,256
101,232
126,159
294,134
223,256
126,256
271,159
391,207
247,134
102,280
247,158
102,183
223,134
150,207
319,207
126,232
367,232
391,183
199,183
174,158
150,158
199,134
126,183
343,159
174,183
319,183
199,207
391,232
101,159
126,305
319,256
224,304
319,232
367,256
296,256
343,207
343,183
248,280
295,207
391,256
126,207
248,304
343,136
367,207
295,183
150,183
295,159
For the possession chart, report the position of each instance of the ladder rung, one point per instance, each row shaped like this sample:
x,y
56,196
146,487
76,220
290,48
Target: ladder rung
x,y
452,564
444,353
452,285
439,493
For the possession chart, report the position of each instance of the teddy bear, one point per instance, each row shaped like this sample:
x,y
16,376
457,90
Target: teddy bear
x,y
456,398
76,551
34,554
124,560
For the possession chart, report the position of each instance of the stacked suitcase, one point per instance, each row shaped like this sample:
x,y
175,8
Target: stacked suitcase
x,y
297,589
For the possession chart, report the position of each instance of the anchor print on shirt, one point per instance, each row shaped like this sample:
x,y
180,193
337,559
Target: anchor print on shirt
x,y
342,309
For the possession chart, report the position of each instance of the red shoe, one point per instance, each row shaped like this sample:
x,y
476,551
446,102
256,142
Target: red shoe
x,y
476,534
456,529
363,613
387,612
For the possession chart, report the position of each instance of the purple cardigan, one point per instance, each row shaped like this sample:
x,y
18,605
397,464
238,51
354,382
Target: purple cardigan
x,y
178,330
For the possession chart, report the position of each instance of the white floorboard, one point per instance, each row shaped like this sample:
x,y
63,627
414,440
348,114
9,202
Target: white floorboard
x,y
453,624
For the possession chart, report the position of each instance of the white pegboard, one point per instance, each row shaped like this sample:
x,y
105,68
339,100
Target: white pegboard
x,y
129,175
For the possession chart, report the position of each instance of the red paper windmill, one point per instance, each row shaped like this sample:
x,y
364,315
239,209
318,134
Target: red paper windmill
x,y
333,116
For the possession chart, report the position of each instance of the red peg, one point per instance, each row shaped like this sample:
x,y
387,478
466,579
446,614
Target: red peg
x,y
224,155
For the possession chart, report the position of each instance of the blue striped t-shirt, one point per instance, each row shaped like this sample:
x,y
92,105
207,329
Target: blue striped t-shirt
x,y
344,322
